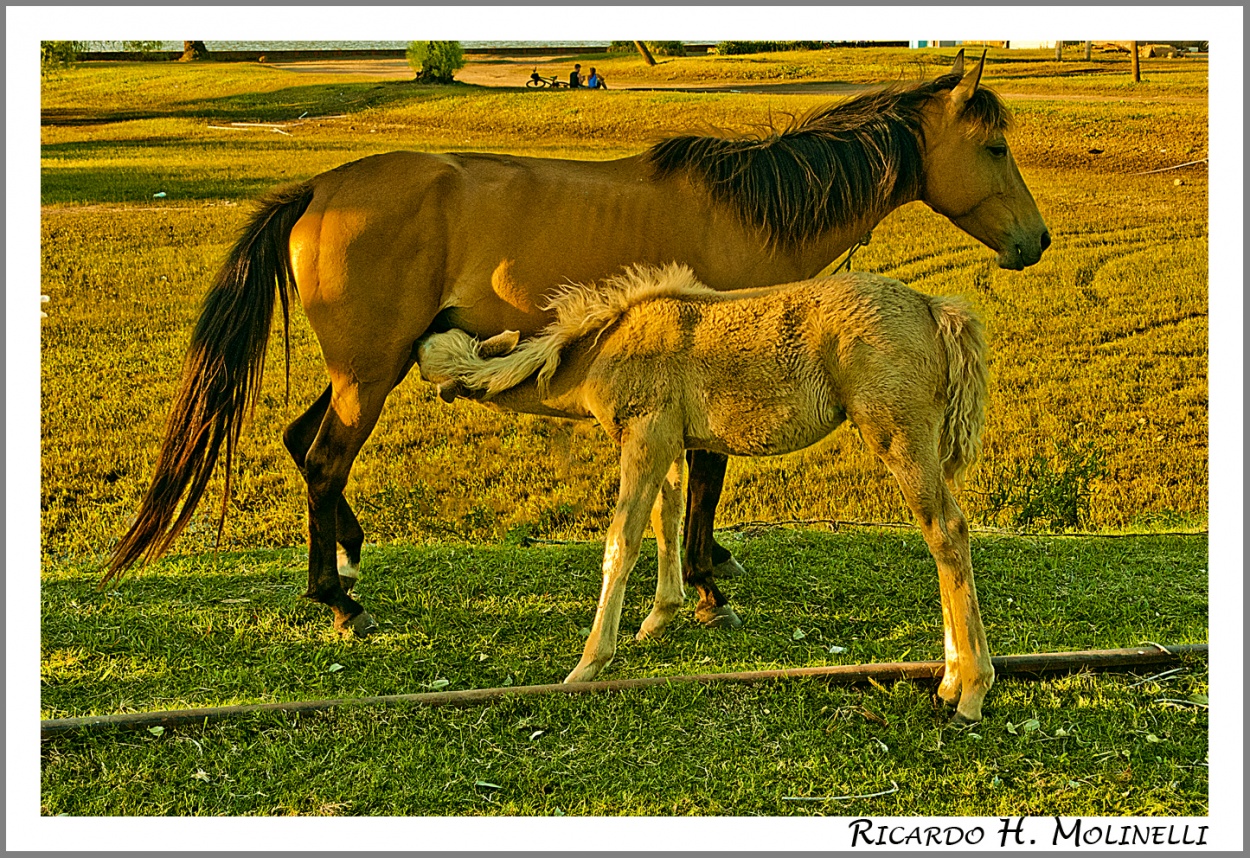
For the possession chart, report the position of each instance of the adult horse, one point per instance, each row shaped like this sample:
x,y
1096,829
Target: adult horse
x,y
385,249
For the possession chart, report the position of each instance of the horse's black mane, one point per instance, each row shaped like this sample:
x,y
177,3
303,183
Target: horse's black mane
x,y
828,168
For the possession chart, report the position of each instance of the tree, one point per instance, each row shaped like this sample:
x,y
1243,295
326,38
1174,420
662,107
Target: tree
x,y
192,51
54,55
1136,63
646,54
435,62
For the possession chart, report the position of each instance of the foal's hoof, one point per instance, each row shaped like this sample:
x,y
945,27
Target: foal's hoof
x,y
362,625
730,568
722,617
962,720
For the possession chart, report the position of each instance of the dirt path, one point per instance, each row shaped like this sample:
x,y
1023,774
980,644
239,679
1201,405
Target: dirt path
x,y
498,71
508,71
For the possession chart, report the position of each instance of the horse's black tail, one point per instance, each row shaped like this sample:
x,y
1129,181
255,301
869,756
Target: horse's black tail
x,y
220,378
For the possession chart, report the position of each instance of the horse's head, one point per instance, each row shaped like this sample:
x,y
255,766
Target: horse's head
x,y
971,177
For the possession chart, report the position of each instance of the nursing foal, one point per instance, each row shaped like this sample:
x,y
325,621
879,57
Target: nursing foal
x,y
666,364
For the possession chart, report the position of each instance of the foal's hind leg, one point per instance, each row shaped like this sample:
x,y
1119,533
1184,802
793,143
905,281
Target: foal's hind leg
x,y
298,437
707,480
969,672
713,608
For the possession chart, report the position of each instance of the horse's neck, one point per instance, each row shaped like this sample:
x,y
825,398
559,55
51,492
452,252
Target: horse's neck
x,y
819,254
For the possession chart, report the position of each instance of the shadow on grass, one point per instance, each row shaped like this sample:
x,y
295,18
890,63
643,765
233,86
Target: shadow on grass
x,y
130,185
282,105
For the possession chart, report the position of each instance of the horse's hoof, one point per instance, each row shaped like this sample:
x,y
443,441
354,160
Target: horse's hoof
x,y
362,625
730,568
582,674
722,617
962,720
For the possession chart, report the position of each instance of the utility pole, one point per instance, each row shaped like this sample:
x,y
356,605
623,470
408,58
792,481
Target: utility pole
x,y
1136,63
1059,51
1089,51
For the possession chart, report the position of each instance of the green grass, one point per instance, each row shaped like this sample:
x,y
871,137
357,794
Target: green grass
x,y
199,631
1104,342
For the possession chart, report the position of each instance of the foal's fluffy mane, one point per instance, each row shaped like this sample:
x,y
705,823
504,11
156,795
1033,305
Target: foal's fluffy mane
x,y
583,310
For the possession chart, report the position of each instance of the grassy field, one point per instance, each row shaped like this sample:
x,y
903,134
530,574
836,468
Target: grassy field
x,y
202,631
1099,360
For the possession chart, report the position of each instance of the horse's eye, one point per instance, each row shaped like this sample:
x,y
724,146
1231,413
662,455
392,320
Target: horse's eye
x,y
998,150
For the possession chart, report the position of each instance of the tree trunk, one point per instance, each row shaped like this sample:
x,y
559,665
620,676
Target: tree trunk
x,y
193,51
1136,63
1058,52
646,54
1089,51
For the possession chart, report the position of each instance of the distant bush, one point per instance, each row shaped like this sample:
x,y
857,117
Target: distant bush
x,y
1042,493
55,55
766,47
435,62
664,49
145,49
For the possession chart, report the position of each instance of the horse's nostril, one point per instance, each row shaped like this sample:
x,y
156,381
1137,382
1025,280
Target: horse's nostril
x,y
1045,239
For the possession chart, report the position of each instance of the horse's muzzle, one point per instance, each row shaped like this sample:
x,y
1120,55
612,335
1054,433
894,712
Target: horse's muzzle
x,y
1022,254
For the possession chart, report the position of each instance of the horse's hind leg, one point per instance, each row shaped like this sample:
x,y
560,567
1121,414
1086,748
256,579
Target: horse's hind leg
x,y
969,672
666,522
352,412
298,437
707,476
707,480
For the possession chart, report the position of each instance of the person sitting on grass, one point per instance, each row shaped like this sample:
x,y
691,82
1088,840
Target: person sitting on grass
x,y
575,76
595,81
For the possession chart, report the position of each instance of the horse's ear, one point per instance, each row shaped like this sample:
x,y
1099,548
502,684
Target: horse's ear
x,y
967,87
958,67
500,344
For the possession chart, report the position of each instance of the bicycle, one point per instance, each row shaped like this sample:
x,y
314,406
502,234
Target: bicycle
x,y
537,81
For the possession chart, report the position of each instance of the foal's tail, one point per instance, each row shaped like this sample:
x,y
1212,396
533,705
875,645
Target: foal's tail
x,y
220,377
967,384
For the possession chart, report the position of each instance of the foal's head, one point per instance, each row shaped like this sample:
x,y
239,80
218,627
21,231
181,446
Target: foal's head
x,y
445,358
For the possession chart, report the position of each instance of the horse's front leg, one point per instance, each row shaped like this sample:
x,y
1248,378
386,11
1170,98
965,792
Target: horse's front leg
x,y
707,476
647,454
707,480
666,522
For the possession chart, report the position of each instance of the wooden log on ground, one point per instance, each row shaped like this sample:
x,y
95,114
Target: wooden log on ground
x,y
1006,665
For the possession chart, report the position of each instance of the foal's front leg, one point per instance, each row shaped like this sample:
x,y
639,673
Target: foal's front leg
x,y
647,452
666,522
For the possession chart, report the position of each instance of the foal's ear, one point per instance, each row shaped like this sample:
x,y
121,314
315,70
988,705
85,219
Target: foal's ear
x,y
449,390
967,87
958,67
500,344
